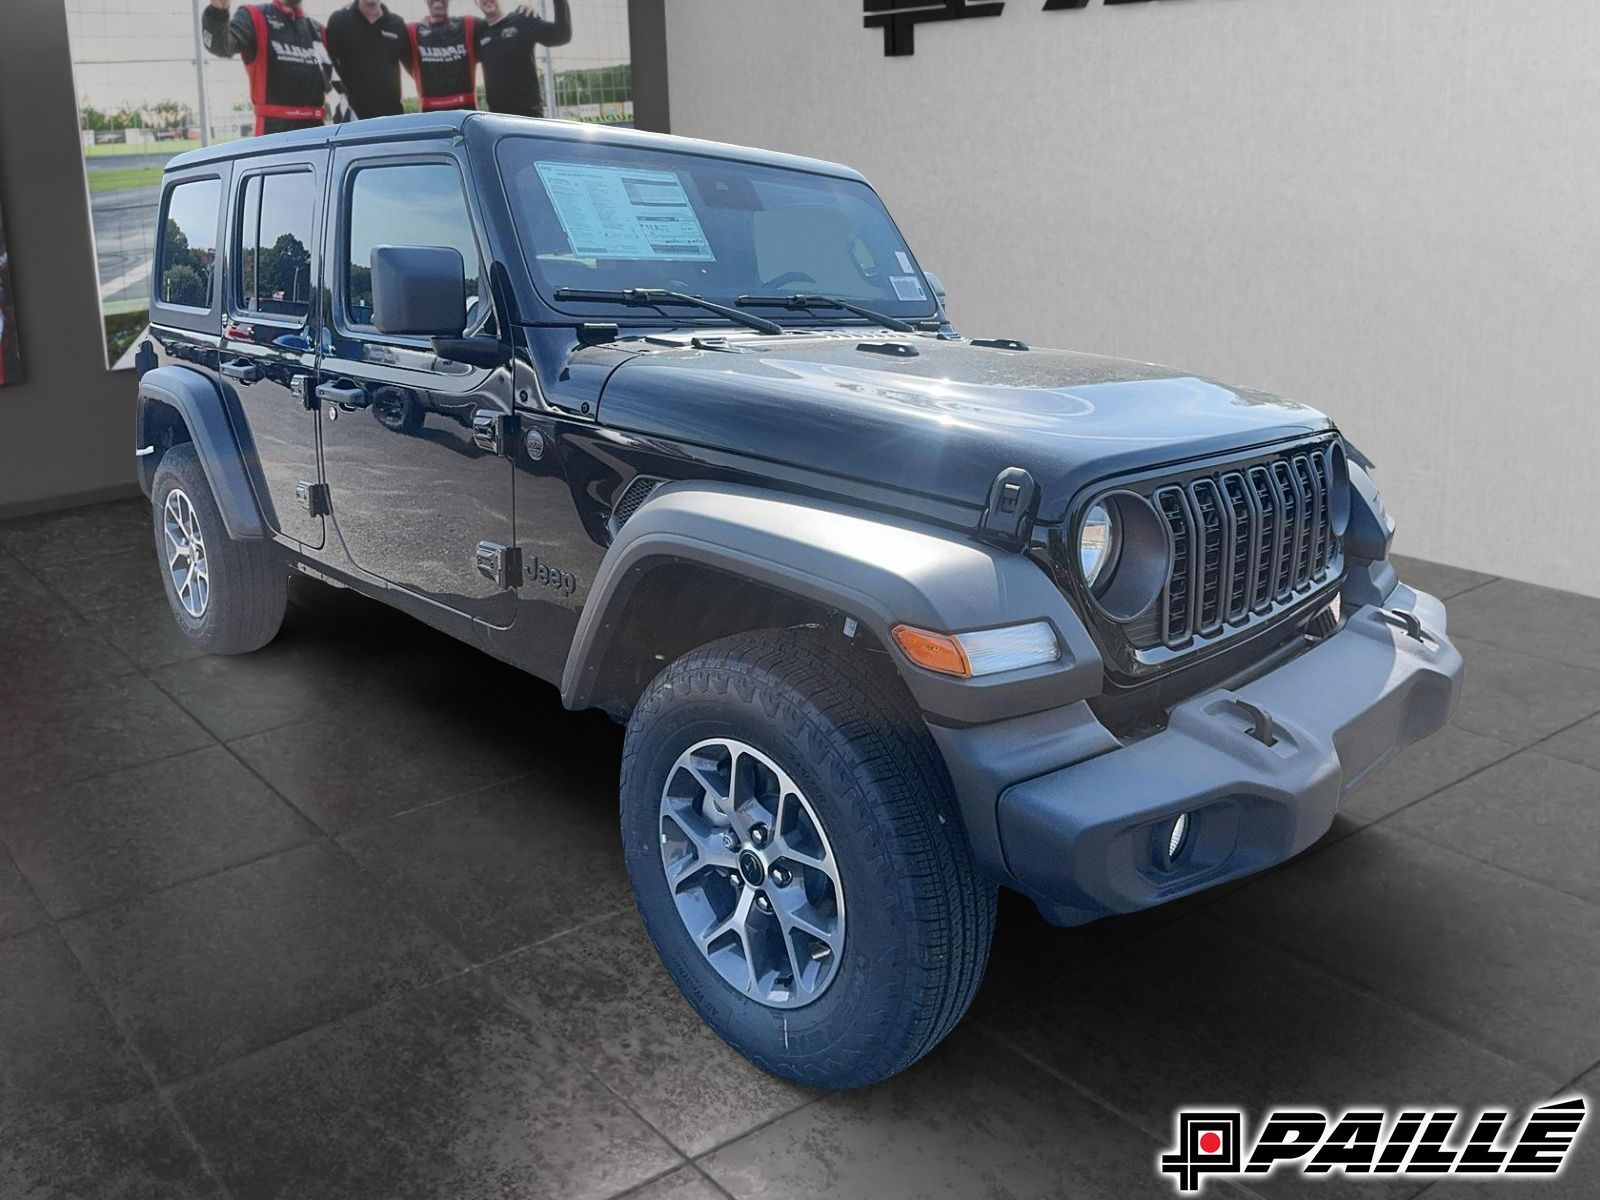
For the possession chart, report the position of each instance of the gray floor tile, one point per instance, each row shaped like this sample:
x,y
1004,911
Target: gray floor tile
x,y
78,534
122,599
53,738
602,991
970,1120
133,1151
1437,579
1579,744
1535,815
20,588
354,771
1561,626
1421,769
60,1053
210,970
292,679
105,839
1246,1027
505,867
20,909
1518,698
1506,961
686,1183
57,652
445,1093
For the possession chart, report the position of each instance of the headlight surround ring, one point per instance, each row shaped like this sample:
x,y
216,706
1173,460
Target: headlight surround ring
x,y
1135,570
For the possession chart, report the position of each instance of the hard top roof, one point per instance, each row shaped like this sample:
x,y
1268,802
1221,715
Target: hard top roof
x,y
491,126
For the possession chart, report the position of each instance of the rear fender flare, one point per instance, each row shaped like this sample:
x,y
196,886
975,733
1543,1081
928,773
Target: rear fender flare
x,y
197,402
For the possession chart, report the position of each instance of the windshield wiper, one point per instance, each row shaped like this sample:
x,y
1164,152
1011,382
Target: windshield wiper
x,y
656,297
803,301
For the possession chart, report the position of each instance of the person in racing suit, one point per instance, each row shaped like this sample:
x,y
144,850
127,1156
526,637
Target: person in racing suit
x,y
284,57
505,48
444,58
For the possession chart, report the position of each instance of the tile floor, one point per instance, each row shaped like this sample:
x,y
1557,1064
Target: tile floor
x,y
346,919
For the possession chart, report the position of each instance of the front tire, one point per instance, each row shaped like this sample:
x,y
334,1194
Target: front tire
x,y
815,762
227,596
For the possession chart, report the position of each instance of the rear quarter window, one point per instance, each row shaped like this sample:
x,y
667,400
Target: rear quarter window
x,y
186,263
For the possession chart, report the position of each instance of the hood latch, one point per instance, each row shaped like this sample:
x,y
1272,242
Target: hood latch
x,y
1013,504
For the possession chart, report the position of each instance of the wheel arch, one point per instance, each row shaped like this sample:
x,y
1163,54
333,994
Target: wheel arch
x,y
177,405
786,560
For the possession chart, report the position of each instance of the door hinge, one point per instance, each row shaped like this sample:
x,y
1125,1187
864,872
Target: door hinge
x,y
503,564
301,387
495,432
313,498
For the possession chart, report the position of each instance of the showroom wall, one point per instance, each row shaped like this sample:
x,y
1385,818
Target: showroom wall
x,y
66,432
1386,208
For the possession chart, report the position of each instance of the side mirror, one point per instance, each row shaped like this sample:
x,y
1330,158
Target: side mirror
x,y
937,285
419,290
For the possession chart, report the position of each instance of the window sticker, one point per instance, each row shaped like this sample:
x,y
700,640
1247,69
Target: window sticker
x,y
908,287
624,212
905,261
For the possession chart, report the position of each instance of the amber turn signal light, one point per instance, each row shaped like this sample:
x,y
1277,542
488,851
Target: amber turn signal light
x,y
933,651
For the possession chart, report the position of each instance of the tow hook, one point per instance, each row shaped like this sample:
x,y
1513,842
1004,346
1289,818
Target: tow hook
x,y
1405,620
1262,727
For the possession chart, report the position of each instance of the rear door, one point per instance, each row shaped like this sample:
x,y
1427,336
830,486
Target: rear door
x,y
412,492
271,321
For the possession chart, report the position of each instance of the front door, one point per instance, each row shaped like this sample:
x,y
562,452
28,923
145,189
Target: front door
x,y
270,325
412,492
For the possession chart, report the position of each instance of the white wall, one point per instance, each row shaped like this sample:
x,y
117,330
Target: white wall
x,y
1386,208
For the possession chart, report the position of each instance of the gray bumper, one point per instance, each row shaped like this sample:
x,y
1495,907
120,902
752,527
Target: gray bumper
x,y
1090,839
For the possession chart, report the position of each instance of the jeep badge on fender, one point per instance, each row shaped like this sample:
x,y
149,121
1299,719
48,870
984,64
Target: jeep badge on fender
x,y
684,430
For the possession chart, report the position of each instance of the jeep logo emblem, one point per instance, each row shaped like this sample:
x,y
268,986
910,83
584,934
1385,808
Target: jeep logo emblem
x,y
557,580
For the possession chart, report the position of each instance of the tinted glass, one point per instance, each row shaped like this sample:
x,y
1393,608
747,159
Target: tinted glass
x,y
188,260
414,204
596,217
276,224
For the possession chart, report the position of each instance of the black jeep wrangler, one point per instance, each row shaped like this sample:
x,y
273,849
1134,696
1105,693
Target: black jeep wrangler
x,y
895,617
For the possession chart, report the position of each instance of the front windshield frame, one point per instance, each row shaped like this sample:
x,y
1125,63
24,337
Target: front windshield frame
x,y
532,148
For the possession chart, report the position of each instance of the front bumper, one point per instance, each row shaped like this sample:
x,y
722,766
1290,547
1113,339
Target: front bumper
x,y
1090,839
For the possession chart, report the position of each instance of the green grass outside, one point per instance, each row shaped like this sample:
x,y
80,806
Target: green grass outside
x,y
112,149
118,179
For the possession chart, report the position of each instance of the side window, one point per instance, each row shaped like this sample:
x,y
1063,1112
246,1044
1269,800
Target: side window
x,y
411,204
187,266
274,259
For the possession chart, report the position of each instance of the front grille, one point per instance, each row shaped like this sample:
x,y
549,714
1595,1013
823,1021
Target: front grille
x,y
1246,541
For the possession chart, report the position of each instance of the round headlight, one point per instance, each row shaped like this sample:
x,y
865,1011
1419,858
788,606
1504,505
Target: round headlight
x,y
1096,541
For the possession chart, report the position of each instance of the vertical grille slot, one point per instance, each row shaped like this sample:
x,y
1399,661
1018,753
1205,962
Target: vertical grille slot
x,y
1242,573
1267,536
1174,509
1211,548
1289,544
1244,543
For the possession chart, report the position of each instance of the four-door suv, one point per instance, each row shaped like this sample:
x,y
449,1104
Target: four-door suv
x,y
894,617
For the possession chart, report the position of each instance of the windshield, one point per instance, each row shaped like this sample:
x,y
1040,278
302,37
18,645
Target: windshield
x,y
610,218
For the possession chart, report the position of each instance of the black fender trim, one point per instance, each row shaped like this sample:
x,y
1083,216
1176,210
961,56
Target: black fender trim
x,y
196,400
880,570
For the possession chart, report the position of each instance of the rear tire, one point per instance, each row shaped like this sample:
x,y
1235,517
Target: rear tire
x,y
227,596
914,920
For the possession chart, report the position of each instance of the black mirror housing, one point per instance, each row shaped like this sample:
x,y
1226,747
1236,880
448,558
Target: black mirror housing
x,y
419,290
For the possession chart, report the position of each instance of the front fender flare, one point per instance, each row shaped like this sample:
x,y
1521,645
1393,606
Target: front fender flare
x,y
198,404
880,570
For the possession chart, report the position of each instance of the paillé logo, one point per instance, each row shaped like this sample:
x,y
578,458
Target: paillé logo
x,y
1373,1141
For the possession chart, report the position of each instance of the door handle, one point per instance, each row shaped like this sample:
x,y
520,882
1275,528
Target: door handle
x,y
345,394
243,370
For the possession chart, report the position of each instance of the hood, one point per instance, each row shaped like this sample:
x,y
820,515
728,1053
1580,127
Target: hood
x,y
942,421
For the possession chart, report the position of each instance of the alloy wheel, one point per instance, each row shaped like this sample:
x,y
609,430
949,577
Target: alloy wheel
x,y
186,554
752,873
